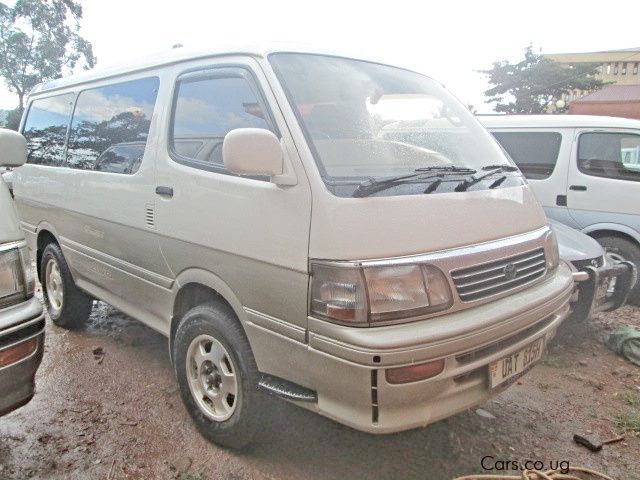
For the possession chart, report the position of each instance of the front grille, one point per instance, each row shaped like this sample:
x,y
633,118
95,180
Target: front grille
x,y
481,281
592,262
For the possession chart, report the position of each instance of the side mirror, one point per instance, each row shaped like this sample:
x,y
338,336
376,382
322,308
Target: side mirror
x,y
253,151
13,148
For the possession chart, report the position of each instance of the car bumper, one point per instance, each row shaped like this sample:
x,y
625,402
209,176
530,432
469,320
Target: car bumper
x,y
349,366
21,349
595,291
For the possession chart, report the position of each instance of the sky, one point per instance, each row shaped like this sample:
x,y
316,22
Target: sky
x,y
449,41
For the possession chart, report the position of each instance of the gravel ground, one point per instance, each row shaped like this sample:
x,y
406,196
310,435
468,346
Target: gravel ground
x,y
119,415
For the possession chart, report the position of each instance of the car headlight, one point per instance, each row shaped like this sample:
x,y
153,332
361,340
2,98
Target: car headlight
x,y
551,252
17,281
365,295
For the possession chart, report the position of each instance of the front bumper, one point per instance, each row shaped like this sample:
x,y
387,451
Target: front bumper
x,y
20,325
347,365
604,288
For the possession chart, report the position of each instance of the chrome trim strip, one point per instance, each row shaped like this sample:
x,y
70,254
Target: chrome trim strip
x,y
441,254
11,245
20,326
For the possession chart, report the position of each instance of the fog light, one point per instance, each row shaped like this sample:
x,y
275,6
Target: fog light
x,y
414,373
17,352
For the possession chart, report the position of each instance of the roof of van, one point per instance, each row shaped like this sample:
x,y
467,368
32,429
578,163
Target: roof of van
x,y
592,121
178,55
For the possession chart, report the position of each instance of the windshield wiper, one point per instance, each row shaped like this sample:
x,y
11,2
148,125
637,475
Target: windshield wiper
x,y
491,170
505,167
372,186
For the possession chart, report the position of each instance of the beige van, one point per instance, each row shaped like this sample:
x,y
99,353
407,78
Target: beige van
x,y
337,232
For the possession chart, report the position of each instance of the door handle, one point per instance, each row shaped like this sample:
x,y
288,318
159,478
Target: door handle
x,y
579,188
166,191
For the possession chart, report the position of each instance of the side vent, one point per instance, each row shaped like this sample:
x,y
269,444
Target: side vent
x,y
374,396
150,215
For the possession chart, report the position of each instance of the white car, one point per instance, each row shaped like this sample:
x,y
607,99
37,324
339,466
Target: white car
x,y
584,170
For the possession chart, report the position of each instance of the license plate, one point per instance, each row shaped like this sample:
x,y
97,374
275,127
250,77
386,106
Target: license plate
x,y
515,364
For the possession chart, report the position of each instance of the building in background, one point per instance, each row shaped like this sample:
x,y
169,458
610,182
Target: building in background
x,y
613,100
620,68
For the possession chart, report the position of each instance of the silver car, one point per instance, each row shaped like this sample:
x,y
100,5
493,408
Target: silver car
x,y
21,315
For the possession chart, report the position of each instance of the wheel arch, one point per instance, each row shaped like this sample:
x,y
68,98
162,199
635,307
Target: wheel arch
x,y
45,234
196,286
614,230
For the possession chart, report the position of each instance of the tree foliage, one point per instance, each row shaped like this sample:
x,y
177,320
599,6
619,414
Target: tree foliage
x,y
39,40
534,83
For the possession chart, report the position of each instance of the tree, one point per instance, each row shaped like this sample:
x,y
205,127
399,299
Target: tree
x,y
39,40
536,82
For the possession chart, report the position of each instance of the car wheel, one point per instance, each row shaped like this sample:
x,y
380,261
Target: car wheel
x,y
67,305
218,377
623,249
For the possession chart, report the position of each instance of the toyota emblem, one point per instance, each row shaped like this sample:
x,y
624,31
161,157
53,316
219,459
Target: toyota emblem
x,y
510,271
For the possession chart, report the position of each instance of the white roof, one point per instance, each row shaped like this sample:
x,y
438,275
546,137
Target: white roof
x,y
178,55
556,121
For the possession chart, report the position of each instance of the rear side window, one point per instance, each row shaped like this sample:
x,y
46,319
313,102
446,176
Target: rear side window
x,y
110,126
208,105
46,129
535,153
610,154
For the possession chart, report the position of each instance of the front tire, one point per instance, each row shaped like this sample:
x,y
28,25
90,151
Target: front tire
x,y
67,305
218,376
623,249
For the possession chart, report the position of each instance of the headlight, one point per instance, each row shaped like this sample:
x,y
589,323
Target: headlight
x,y
17,280
551,251
362,296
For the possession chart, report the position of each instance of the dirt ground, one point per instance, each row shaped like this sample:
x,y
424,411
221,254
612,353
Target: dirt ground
x,y
119,415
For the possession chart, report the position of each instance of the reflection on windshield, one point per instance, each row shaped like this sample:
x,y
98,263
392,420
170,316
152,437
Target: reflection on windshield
x,y
366,120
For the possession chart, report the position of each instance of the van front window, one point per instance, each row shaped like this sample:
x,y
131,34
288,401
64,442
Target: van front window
x,y
368,123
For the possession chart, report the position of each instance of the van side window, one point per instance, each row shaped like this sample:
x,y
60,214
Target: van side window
x,y
207,107
110,126
46,129
535,153
610,154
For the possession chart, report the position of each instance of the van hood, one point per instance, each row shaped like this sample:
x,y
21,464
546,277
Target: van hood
x,y
393,226
9,226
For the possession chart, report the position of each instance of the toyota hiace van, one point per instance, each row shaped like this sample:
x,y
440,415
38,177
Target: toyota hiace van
x,y
334,231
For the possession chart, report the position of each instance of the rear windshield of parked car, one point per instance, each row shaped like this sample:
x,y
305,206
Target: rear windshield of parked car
x,y
535,153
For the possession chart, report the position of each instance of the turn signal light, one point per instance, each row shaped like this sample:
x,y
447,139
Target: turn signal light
x,y
17,352
414,373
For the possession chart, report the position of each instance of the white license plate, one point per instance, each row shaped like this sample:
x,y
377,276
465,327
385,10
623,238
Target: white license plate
x,y
515,364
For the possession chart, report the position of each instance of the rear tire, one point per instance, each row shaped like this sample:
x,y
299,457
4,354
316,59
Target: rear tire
x,y
624,249
209,349
67,305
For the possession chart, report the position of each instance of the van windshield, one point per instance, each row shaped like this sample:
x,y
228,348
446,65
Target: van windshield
x,y
367,122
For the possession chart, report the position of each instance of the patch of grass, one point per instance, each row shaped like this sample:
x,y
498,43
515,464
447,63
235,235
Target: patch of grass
x,y
190,476
629,420
631,398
